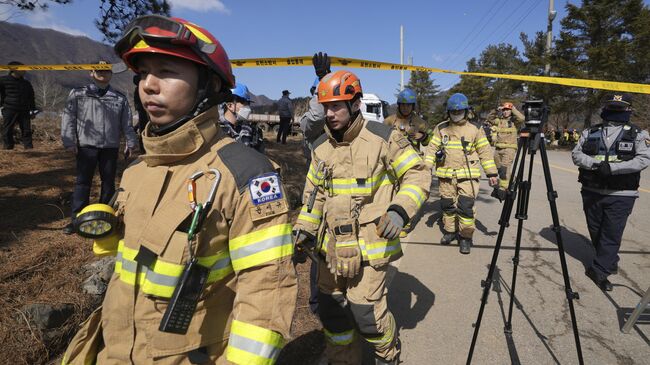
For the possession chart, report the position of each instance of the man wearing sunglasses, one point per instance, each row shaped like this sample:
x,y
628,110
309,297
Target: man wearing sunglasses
x,y
203,270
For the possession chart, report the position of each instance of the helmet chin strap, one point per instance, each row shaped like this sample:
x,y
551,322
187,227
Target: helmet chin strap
x,y
206,97
353,115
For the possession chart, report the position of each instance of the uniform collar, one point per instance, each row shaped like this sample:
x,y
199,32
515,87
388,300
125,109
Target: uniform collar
x,y
351,133
181,143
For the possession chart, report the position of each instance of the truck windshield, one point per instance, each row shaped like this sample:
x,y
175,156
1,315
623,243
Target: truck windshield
x,y
373,108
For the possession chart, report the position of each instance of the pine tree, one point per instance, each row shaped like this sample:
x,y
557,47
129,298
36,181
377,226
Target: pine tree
x,y
605,40
426,91
483,93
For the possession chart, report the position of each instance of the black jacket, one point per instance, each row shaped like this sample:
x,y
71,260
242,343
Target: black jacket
x,y
16,94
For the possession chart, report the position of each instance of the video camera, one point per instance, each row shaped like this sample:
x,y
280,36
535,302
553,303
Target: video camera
x,y
536,114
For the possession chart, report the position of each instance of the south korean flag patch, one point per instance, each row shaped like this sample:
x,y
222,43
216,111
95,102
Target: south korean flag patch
x,y
265,188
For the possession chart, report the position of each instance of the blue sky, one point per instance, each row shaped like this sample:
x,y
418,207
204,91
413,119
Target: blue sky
x,y
442,34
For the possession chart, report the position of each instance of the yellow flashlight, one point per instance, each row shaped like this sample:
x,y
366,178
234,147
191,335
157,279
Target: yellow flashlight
x,y
96,221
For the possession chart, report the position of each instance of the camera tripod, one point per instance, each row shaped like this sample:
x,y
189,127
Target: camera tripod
x,y
530,140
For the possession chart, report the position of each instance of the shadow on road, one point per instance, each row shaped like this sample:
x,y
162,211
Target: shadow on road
x,y
575,245
623,313
499,286
404,288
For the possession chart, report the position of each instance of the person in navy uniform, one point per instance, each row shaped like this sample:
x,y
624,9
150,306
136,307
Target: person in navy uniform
x,y
610,157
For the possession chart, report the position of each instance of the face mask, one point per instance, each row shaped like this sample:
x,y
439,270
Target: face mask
x,y
456,117
243,113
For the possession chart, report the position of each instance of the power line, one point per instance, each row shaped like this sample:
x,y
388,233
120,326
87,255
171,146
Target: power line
x,y
535,4
482,43
521,21
489,17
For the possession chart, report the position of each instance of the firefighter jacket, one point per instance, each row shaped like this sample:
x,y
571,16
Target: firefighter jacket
x,y
245,241
409,126
506,129
371,170
456,150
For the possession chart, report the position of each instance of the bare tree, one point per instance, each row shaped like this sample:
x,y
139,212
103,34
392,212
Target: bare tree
x,y
49,94
30,5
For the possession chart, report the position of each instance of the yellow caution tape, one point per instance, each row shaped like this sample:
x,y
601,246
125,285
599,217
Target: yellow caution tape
x,y
376,65
64,67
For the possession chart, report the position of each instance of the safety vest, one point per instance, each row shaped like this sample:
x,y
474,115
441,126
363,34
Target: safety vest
x,y
623,149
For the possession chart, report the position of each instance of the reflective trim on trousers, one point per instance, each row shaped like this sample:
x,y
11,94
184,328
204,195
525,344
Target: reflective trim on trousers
x,y
250,344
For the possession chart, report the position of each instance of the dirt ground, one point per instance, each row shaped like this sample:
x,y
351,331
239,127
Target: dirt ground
x,y
39,264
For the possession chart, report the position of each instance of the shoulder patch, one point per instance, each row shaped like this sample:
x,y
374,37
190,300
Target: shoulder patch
x,y
379,129
265,189
244,163
319,141
401,141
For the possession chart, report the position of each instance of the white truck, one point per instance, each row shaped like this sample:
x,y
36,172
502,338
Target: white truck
x,y
373,108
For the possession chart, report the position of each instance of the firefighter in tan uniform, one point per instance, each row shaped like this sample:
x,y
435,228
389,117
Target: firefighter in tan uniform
x,y
240,247
507,121
356,169
414,128
407,121
456,150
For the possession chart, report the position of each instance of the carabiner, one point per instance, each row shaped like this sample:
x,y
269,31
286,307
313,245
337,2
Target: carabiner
x,y
191,188
200,210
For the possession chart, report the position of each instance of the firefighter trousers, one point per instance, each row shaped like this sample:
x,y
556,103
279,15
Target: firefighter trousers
x,y
457,202
503,158
355,309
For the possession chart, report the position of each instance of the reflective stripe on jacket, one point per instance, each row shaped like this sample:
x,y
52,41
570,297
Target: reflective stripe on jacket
x,y
371,168
249,299
506,129
459,162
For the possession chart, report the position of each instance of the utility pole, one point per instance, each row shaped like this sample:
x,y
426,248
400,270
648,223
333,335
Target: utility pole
x,y
401,56
549,37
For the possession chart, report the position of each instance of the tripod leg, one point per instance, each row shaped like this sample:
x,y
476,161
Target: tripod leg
x,y
519,163
570,294
521,215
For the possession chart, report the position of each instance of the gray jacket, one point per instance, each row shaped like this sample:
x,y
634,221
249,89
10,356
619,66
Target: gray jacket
x,y
312,123
610,134
285,107
94,120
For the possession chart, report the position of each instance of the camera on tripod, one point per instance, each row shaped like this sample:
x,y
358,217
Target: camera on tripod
x,y
536,114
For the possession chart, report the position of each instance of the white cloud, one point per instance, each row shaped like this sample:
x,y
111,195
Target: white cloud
x,y
41,19
200,5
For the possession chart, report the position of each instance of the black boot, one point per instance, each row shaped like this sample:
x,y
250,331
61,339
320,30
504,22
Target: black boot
x,y
599,279
447,237
465,245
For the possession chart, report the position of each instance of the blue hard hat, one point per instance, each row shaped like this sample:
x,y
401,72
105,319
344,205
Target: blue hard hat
x,y
406,96
457,101
241,91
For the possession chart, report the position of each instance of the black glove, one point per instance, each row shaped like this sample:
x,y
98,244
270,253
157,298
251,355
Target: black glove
x,y
604,169
321,64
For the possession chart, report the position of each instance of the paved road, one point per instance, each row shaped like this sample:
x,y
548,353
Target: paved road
x,y
435,291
